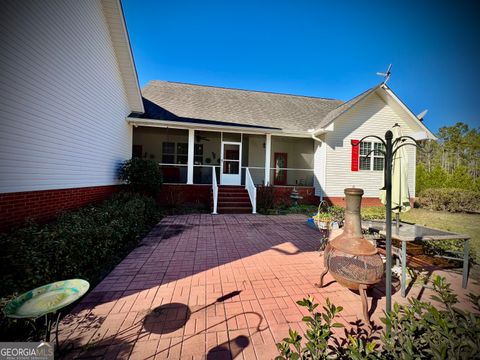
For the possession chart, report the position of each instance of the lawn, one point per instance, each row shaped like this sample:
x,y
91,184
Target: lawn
x,y
468,224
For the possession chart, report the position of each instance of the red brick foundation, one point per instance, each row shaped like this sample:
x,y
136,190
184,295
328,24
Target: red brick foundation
x,y
182,194
45,205
366,201
282,195
201,195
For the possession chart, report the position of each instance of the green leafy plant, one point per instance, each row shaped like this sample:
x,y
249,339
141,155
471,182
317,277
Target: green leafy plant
x,y
421,330
142,176
265,198
450,199
85,243
317,336
418,330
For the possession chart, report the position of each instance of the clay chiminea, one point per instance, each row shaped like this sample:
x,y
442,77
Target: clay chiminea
x,y
352,260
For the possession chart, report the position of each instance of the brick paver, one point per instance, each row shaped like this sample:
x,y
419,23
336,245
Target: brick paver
x,y
212,287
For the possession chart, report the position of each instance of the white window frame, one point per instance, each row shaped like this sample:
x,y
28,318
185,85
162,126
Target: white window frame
x,y
371,157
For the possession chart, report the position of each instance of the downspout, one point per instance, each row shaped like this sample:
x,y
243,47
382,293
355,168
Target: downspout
x,y
314,137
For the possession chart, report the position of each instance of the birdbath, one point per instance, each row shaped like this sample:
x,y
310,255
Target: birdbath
x,y
47,301
295,196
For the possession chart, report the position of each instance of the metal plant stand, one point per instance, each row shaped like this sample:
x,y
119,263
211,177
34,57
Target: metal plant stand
x,y
390,149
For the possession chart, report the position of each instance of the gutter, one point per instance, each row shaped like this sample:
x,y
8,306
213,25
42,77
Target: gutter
x,y
212,127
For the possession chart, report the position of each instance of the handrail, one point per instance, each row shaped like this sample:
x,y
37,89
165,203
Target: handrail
x,y
252,190
214,190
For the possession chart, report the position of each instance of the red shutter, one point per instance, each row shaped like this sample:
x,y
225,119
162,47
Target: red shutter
x,y
355,152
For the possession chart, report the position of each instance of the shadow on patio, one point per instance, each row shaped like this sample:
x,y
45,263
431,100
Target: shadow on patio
x,y
221,286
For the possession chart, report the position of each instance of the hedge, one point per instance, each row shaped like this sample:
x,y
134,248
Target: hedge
x,y
82,244
450,199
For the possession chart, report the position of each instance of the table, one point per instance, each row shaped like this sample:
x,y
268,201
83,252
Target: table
x,y
412,232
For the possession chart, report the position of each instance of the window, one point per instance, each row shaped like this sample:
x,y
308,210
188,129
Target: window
x,y
168,153
198,154
178,153
371,161
182,153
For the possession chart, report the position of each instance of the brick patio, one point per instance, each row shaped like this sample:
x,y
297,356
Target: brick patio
x,y
164,300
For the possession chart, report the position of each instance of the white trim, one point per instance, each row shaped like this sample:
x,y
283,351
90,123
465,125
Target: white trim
x,y
214,191
252,190
211,127
231,179
191,160
268,155
371,157
427,135
409,112
116,22
130,57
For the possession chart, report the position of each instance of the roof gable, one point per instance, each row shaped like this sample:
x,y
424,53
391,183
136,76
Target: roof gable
x,y
388,96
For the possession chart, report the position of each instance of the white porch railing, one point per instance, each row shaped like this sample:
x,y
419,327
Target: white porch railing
x,y
214,190
252,190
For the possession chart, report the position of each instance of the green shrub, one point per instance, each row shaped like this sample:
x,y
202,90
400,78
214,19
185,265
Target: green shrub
x,y
421,330
450,199
318,334
418,330
265,198
142,176
84,243
302,209
373,212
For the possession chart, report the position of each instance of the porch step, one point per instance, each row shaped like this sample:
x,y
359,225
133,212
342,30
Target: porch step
x,y
233,200
224,204
235,210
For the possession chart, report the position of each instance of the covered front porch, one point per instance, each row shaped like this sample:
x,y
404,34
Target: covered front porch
x,y
193,156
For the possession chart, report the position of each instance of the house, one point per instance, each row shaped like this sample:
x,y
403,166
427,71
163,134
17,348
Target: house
x,y
67,84
72,112
204,134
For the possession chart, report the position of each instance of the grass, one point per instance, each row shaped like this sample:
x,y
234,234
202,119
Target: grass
x,y
468,224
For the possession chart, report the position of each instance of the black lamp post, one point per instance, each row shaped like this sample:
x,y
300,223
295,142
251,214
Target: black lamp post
x,y
390,149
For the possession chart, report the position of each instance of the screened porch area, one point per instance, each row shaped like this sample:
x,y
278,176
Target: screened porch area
x,y
190,156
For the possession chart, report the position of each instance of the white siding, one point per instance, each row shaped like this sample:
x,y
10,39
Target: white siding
x,y
319,165
369,117
62,99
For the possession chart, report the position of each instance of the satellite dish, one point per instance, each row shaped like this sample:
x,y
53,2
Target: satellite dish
x,y
386,74
422,114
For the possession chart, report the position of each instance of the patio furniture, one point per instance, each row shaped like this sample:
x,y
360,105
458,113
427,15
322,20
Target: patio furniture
x,y
47,301
410,232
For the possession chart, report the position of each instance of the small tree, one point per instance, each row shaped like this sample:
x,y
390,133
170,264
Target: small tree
x,y
142,176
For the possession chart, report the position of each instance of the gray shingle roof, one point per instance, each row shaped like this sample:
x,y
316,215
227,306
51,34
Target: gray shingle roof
x,y
197,103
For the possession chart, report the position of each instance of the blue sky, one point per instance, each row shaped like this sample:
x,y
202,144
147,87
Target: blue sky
x,y
318,48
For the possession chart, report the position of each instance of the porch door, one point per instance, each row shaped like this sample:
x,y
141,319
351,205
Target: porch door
x,y
280,175
231,163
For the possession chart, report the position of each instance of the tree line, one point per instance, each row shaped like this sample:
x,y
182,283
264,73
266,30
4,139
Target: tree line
x,y
453,161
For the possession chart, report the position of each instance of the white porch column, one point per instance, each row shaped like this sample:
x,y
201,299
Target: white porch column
x,y
191,148
268,155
